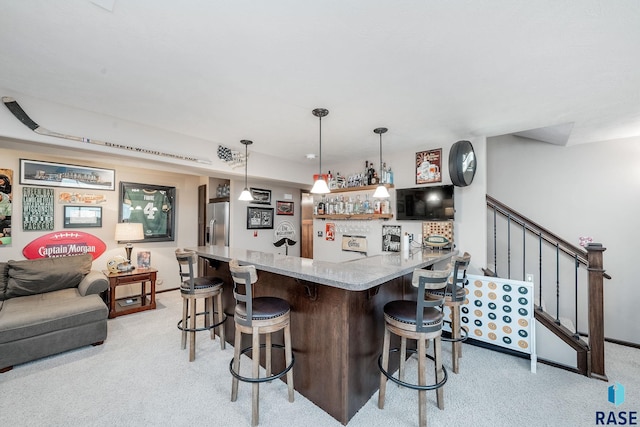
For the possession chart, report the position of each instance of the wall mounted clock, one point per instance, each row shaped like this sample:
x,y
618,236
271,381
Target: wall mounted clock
x,y
462,163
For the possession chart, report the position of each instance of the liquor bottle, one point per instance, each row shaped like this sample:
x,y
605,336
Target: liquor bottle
x,y
376,206
366,205
372,172
383,171
321,206
389,176
366,175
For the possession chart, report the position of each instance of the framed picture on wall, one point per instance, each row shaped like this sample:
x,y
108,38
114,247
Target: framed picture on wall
x,y
260,196
284,207
35,172
152,206
82,216
429,166
259,217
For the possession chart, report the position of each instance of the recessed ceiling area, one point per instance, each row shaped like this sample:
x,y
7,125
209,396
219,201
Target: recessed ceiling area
x,y
432,72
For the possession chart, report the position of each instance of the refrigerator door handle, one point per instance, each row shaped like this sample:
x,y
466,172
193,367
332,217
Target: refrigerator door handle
x,y
212,232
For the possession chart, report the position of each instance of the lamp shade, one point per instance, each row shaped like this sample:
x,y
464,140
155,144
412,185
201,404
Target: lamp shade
x,y
320,187
245,196
381,192
129,231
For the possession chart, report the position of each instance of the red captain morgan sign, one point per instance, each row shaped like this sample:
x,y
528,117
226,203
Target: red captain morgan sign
x,y
64,243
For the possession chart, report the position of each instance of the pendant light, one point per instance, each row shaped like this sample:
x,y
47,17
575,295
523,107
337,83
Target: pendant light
x,y
245,196
320,185
381,191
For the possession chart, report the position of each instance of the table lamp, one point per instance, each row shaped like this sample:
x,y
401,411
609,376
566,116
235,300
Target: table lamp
x,y
127,232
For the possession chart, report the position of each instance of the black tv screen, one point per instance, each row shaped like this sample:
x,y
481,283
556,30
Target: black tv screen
x,y
425,203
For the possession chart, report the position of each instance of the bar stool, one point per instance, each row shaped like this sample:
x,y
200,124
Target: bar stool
x,y
420,320
256,316
454,296
192,288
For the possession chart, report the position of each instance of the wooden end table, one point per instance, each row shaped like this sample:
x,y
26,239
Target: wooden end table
x,y
122,306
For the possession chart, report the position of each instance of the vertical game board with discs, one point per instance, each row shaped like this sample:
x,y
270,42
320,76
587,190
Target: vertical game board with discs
x,y
499,312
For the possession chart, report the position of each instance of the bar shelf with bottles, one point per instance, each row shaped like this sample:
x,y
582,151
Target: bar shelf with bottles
x,y
350,208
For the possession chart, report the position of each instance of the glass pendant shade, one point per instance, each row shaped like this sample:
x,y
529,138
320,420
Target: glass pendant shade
x,y
245,196
320,185
381,191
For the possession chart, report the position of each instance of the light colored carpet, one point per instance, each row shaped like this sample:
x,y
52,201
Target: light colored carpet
x,y
141,377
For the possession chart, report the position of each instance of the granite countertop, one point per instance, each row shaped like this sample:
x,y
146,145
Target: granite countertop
x,y
356,275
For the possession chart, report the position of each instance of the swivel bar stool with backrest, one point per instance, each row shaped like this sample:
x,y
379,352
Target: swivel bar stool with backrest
x,y
192,288
419,320
256,316
455,295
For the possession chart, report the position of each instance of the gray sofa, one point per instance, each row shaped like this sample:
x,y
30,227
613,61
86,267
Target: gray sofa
x,y
48,306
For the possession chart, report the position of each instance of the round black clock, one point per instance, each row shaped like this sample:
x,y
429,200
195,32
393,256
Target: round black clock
x,y
462,163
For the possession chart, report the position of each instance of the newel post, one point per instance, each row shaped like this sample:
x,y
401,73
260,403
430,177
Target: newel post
x,y
596,309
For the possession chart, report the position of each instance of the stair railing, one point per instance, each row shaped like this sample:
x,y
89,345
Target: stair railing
x,y
567,257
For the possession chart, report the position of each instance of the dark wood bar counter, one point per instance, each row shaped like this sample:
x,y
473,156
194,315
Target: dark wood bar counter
x,y
337,322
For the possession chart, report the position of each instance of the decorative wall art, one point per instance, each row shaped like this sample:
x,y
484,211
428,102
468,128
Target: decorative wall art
x,y
35,172
67,197
259,217
151,206
64,243
429,166
82,216
391,237
284,208
6,206
37,208
260,196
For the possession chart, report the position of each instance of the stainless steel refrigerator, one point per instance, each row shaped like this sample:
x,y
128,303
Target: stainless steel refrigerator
x,y
217,224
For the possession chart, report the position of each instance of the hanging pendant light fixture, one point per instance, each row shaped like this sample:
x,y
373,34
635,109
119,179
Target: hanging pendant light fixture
x,y
245,196
320,185
381,191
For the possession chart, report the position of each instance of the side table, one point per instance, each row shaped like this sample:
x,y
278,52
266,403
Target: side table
x,y
130,305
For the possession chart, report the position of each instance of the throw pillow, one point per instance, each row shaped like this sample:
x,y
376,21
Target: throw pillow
x,y
38,276
4,269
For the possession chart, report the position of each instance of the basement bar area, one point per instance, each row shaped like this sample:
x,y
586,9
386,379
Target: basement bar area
x,y
337,322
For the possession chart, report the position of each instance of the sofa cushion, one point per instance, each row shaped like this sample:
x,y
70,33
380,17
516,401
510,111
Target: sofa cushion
x,y
37,276
4,270
34,315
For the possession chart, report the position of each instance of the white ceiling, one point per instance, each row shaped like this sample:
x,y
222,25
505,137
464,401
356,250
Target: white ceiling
x,y
433,72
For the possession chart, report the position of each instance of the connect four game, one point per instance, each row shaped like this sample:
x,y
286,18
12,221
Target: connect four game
x,y
499,312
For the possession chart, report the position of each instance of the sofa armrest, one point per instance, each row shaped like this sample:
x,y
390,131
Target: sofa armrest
x,y
93,283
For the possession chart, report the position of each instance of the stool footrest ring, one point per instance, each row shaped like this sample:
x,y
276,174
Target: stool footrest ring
x,y
264,379
203,328
410,385
464,334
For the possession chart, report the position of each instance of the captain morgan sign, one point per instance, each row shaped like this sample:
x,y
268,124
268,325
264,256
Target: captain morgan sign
x,y
64,243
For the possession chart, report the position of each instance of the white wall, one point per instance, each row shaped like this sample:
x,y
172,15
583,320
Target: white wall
x,y
162,253
581,190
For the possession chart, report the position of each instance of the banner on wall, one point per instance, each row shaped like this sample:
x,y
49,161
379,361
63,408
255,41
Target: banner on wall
x,y
64,243
6,206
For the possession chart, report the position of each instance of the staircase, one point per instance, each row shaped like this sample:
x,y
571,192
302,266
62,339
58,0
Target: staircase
x,y
568,277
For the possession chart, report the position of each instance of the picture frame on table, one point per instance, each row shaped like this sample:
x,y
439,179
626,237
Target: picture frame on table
x,y
152,206
259,218
260,196
284,207
50,174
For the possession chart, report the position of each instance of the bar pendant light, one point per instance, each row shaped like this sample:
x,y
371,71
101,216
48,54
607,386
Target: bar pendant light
x,y
245,196
381,191
320,185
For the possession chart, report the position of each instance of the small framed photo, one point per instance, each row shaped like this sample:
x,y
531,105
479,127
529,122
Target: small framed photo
x,y
260,196
82,216
429,166
284,207
391,236
144,259
259,217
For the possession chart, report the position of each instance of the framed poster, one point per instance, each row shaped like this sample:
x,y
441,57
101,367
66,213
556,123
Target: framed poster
x,y
260,196
82,216
429,166
37,208
35,172
284,208
391,238
259,217
6,206
150,205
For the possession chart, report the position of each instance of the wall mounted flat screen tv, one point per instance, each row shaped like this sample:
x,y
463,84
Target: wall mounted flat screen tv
x,y
425,203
